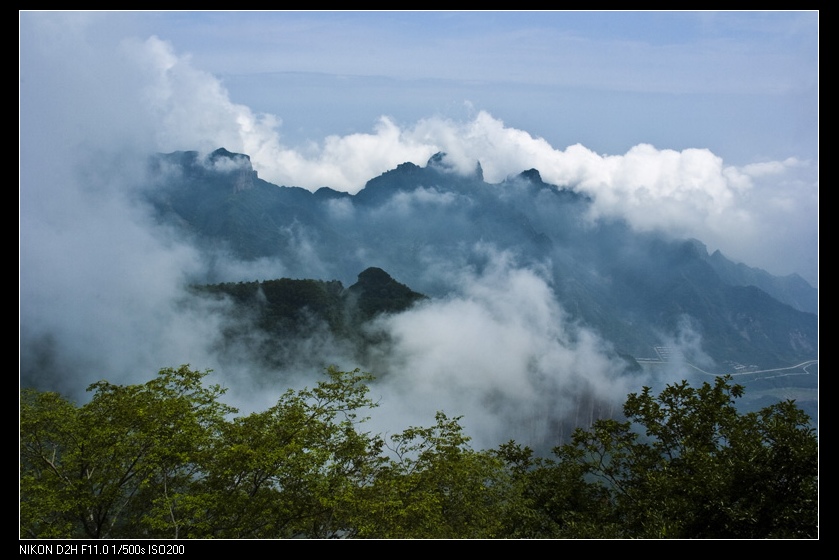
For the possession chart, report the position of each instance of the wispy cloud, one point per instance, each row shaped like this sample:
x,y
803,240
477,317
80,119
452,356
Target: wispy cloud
x,y
101,283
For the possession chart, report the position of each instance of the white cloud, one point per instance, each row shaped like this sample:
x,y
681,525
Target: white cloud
x,y
89,115
145,94
501,352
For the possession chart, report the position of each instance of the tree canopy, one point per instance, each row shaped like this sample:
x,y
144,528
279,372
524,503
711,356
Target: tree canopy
x,y
167,459
687,464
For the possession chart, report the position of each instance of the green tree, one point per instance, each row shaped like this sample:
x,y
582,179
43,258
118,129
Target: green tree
x,y
167,459
117,465
688,464
552,499
296,469
434,485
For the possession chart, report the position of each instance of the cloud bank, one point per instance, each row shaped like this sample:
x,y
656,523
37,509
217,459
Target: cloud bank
x,y
101,283
142,94
500,351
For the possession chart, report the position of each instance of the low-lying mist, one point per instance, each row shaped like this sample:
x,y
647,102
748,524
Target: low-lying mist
x,y
105,283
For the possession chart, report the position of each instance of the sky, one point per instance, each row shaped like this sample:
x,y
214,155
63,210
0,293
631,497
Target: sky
x,y
710,119
696,124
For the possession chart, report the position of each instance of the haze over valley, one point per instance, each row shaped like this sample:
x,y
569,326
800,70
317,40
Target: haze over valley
x,y
520,277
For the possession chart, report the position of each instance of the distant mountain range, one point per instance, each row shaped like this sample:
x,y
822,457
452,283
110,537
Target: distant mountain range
x,y
423,224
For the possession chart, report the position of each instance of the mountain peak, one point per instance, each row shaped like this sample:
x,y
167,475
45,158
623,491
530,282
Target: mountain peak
x,y
374,276
438,162
532,175
225,153
377,291
238,165
631,286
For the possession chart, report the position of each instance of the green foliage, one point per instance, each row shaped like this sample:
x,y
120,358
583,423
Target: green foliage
x,y
283,306
376,292
166,459
552,499
294,469
100,470
435,486
293,307
687,464
289,310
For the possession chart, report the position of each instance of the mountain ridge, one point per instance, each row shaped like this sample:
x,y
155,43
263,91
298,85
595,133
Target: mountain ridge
x,y
629,286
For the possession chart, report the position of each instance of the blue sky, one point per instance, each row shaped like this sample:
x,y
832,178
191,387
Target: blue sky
x,y
743,84
704,124
694,124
